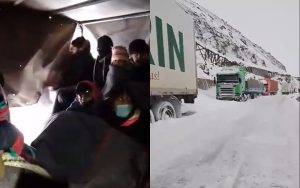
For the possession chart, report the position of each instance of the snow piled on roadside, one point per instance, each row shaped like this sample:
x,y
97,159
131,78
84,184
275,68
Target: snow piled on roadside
x,y
228,144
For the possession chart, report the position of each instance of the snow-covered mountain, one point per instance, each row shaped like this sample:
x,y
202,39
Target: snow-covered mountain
x,y
218,36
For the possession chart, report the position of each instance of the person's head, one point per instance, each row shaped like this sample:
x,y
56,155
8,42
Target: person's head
x,y
80,44
121,101
119,56
139,51
123,105
104,45
4,108
86,93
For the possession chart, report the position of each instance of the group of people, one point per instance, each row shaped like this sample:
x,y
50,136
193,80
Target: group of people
x,y
113,87
98,134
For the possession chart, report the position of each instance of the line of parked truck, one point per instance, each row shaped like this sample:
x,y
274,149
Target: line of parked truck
x,y
173,76
231,84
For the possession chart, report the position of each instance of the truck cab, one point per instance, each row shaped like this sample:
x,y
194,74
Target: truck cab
x,y
230,83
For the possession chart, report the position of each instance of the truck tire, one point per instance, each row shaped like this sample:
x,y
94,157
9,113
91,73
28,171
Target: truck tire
x,y
163,110
177,105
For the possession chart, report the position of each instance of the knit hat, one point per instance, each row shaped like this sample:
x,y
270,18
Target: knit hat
x,y
138,46
78,42
119,53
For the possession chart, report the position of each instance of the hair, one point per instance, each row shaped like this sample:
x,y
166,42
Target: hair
x,y
78,42
119,90
138,46
105,42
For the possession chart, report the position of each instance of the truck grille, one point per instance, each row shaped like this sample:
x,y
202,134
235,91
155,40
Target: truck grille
x,y
226,91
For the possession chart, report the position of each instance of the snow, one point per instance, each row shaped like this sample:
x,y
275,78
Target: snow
x,y
226,144
31,120
218,36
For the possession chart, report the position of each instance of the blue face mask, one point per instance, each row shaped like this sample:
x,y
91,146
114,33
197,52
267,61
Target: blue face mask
x,y
123,110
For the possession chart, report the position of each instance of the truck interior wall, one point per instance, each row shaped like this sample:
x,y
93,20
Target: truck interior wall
x,y
122,31
29,40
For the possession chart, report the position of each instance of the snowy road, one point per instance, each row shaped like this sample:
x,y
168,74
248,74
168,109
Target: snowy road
x,y
224,144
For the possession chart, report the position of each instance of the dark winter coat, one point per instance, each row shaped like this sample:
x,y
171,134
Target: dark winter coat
x,y
87,151
76,107
141,73
116,77
139,130
139,85
65,96
79,67
101,68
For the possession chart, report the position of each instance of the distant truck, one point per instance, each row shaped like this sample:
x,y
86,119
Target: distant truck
x,y
231,84
172,62
270,86
288,87
254,88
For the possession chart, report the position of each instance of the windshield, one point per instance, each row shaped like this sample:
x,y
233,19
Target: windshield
x,y
230,78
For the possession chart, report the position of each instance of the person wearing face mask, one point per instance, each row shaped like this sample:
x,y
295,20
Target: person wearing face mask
x,y
122,112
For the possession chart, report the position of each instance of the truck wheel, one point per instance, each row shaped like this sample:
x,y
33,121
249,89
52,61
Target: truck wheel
x,y
177,106
163,110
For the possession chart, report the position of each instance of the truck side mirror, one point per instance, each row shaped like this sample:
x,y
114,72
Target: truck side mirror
x,y
214,80
240,80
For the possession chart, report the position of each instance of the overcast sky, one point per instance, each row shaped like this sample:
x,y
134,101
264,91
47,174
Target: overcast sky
x,y
272,24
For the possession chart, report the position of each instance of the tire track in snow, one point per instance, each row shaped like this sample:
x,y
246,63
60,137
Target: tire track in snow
x,y
226,159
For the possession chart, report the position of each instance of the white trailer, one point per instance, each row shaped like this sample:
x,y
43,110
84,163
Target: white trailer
x,y
173,67
289,87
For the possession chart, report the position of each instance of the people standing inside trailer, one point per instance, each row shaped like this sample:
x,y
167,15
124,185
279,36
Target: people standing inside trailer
x,y
139,83
119,71
121,111
78,67
81,64
139,52
103,60
87,152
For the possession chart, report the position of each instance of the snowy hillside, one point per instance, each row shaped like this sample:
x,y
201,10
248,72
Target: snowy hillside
x,y
218,36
